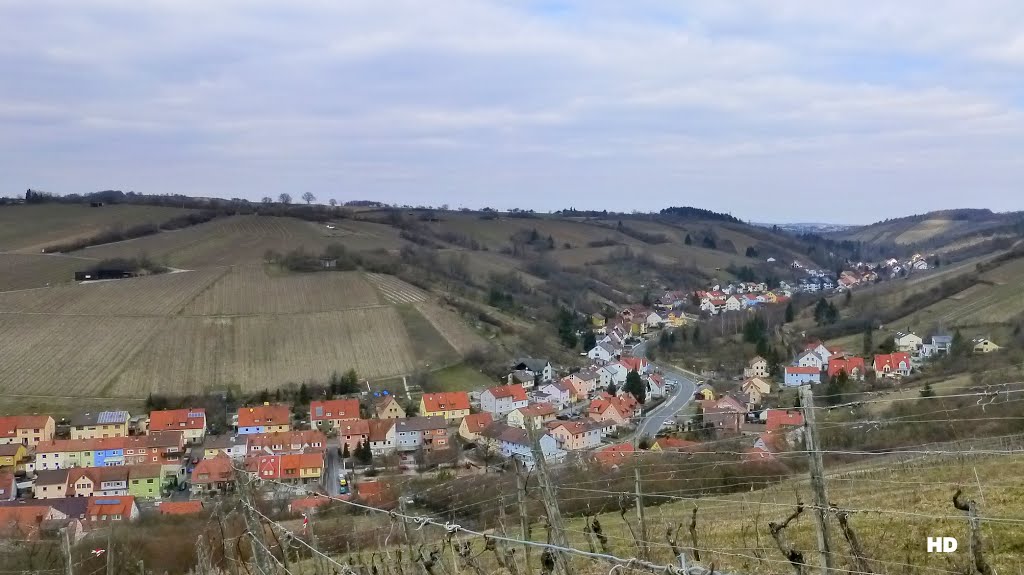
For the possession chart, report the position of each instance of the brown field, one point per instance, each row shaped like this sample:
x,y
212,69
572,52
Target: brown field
x,y
24,271
495,233
452,327
250,353
396,290
68,355
249,290
358,235
29,228
143,296
224,241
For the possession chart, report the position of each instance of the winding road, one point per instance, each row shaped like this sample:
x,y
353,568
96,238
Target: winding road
x,y
651,422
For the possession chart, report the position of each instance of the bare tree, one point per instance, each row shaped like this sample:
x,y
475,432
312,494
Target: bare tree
x,y
285,198
308,197
267,200
333,202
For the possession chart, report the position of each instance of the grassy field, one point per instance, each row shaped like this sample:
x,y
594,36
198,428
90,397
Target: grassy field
x,y
460,378
29,228
451,327
429,347
910,232
221,242
24,271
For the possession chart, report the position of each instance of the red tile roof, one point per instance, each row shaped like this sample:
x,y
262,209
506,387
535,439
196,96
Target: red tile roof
x,y
634,363
376,493
666,443
294,440
177,419
810,370
845,363
892,360
334,409
23,521
779,418
10,425
354,427
516,392
307,504
213,470
477,422
450,401
538,410
106,505
614,454
180,507
263,415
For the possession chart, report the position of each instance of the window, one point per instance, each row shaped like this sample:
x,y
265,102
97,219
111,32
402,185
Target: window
x,y
135,481
116,517
149,481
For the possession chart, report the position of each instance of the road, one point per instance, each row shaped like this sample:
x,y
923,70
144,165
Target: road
x,y
333,466
677,401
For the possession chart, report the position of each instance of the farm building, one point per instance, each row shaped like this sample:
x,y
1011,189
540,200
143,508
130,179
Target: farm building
x,y
104,274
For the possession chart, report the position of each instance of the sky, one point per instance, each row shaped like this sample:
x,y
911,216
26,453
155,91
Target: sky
x,y
774,111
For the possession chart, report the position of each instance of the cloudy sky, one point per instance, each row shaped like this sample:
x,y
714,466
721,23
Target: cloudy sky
x,y
775,111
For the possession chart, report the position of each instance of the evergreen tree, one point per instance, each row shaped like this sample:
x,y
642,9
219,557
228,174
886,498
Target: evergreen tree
x,y
566,331
611,389
762,346
789,312
820,311
344,452
589,340
304,396
869,344
957,346
848,297
688,241
636,386
927,391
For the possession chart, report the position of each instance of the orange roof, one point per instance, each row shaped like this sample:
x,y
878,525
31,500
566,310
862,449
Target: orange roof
x,y
213,470
778,418
613,454
538,410
675,443
120,505
380,428
476,422
307,503
77,445
10,425
177,419
334,409
260,415
810,370
23,520
180,507
287,440
354,427
516,392
845,364
376,493
450,401
634,363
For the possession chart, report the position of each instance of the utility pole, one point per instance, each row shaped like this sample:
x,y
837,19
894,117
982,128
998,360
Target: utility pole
x,y
252,523
406,530
67,551
110,548
550,499
817,468
524,518
640,514
142,567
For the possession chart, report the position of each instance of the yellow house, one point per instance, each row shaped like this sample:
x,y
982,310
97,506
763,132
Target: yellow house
x,y
984,345
597,320
29,430
705,392
389,408
452,406
538,413
770,297
676,319
311,465
99,424
12,454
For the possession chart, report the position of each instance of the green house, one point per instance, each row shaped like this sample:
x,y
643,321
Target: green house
x,y
144,481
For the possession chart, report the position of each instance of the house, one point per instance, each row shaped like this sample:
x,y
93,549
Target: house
x,y
820,350
724,420
95,424
25,523
63,453
28,430
376,493
983,345
653,319
382,437
796,375
637,364
561,393
292,469
852,366
180,507
733,303
352,434
330,413
589,379
756,388
613,455
296,441
757,367
810,359
613,373
97,481
101,510
12,455
893,364
704,391
8,487
739,403
304,505
673,444
603,351
514,443
266,418
213,476
614,410
574,435
165,448
939,345
230,445
540,368
597,322
537,413
777,419
521,377
51,484
145,481
907,341
191,422
427,433
656,386
473,424
502,399
453,405
389,408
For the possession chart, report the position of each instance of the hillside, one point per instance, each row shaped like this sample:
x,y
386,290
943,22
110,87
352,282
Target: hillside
x,y
949,229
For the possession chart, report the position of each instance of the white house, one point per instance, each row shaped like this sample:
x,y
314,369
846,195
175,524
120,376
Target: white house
x,y
654,320
602,352
733,304
541,368
810,359
655,386
558,393
907,341
613,373
503,399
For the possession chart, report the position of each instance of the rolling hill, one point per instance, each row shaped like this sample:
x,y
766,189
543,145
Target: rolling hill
x,y
952,229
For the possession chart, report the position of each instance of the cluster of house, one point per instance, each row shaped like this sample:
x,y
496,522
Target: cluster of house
x,y
637,320
817,363
741,412
741,296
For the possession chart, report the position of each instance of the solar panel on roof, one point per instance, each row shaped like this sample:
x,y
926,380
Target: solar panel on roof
x,y
108,502
195,414
112,417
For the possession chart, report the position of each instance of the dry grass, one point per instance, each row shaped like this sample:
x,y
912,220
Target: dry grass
x,y
454,330
29,228
249,290
396,290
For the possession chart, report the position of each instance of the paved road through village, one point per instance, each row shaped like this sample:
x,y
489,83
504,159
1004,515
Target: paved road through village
x,y
651,423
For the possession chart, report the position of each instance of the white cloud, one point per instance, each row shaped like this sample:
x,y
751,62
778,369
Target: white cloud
x,y
746,106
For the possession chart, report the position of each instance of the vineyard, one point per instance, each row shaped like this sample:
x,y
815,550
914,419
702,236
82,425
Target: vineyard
x,y
455,331
191,354
29,228
248,290
396,290
24,271
221,242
